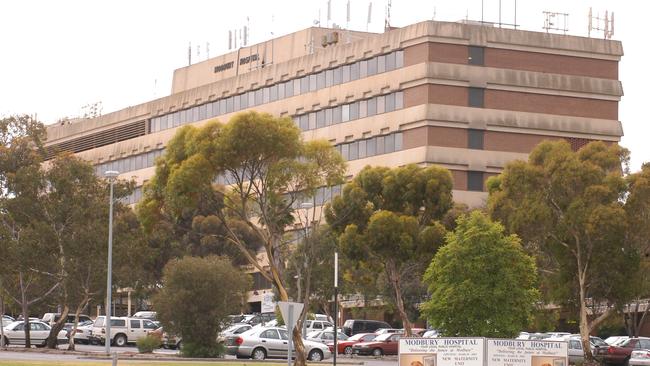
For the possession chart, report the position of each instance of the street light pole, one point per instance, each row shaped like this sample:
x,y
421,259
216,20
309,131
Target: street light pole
x,y
111,175
336,305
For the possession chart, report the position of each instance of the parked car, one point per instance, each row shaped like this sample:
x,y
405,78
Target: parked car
x,y
621,353
312,325
83,333
51,318
6,320
151,315
261,343
38,333
614,340
433,333
324,336
575,350
383,344
233,330
252,319
387,330
125,330
355,326
345,346
640,358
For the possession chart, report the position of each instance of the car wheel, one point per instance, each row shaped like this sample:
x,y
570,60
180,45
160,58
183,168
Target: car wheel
x,y
258,354
120,340
626,362
377,352
315,355
347,351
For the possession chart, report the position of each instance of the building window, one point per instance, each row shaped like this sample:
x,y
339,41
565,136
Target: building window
x,y
475,139
474,181
476,55
476,97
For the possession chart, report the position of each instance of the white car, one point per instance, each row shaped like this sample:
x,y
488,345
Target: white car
x,y
640,358
262,343
84,332
431,333
38,333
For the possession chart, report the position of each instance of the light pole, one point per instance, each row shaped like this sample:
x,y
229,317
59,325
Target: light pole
x,y
111,175
336,305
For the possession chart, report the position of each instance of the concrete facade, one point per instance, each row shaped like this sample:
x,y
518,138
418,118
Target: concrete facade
x,y
469,98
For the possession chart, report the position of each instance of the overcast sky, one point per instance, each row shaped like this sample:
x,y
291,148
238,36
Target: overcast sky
x,y
57,56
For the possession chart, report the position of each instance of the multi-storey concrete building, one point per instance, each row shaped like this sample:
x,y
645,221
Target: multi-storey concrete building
x,y
467,97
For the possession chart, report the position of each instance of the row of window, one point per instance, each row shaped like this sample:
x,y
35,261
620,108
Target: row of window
x,y
286,89
130,163
377,145
134,197
351,111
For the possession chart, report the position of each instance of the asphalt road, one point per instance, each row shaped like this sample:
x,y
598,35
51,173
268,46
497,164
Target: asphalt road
x,y
86,351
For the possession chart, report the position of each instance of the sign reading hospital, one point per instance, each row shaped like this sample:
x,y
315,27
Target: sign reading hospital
x,y
441,351
514,352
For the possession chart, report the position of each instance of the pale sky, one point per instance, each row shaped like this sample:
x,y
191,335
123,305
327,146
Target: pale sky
x,y
57,56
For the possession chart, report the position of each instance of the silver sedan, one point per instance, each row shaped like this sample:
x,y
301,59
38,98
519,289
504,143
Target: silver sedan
x,y
260,343
38,332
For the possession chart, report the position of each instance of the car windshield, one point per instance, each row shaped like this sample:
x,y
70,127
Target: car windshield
x,y
99,322
598,342
313,334
383,337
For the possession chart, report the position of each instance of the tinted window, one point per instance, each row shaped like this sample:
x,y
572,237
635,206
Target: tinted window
x,y
476,55
475,181
318,325
284,334
270,334
135,323
148,324
118,323
475,139
476,97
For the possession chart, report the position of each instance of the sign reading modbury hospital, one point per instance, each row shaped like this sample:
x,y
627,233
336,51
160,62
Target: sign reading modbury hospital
x,y
441,351
481,352
515,352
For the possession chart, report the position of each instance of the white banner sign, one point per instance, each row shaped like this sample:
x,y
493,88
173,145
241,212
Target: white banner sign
x,y
511,352
441,351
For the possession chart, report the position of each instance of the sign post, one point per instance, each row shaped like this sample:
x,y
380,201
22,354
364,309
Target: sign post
x,y
290,312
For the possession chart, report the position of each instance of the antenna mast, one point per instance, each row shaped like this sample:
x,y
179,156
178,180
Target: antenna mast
x,y
605,25
387,20
556,21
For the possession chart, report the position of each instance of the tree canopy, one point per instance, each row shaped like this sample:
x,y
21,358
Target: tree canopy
x,y
482,283
265,170
569,208
388,219
196,297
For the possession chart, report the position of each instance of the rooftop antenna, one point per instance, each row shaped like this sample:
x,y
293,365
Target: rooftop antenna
x,y
207,50
329,12
189,54
347,18
369,15
229,40
198,51
434,14
387,20
606,24
556,21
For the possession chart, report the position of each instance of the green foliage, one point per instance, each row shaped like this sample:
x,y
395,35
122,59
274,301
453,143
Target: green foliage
x,y
196,350
388,222
482,283
196,297
148,343
570,210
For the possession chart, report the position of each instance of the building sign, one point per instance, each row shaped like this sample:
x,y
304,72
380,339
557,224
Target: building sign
x,y
223,67
441,351
511,352
242,61
247,59
268,303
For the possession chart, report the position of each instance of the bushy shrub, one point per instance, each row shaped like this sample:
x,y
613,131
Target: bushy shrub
x,y
201,351
148,344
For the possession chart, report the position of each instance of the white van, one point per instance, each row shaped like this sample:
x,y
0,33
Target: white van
x,y
123,330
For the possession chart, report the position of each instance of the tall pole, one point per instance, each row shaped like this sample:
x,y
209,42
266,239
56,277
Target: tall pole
x,y
336,305
112,175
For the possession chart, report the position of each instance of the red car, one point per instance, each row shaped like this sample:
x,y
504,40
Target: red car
x,y
620,354
383,344
345,347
